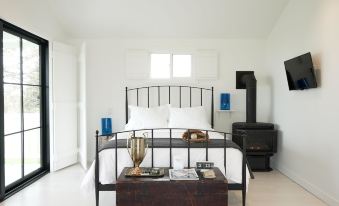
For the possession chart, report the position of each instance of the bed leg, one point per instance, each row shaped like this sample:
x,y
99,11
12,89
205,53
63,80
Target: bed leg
x,y
244,197
97,196
96,179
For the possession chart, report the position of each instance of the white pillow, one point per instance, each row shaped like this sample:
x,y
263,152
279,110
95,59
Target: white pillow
x,y
147,118
190,117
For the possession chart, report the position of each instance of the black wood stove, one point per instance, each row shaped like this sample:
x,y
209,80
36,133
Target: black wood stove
x,y
261,137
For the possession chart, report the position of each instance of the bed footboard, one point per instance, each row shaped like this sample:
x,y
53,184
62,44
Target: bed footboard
x,y
111,187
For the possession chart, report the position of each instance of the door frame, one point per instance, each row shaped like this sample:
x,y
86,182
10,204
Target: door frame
x,y
7,191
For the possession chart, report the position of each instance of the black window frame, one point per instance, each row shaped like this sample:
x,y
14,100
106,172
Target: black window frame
x,y
7,191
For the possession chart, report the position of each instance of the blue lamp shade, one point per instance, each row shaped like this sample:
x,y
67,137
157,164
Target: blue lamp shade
x,y
225,101
106,126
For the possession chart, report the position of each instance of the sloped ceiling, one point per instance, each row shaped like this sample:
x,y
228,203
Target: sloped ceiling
x,y
168,18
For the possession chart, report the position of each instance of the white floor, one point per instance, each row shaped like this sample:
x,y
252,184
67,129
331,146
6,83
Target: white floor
x,y
63,188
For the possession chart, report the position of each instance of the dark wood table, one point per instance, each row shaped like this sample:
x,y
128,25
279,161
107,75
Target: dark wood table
x,y
161,191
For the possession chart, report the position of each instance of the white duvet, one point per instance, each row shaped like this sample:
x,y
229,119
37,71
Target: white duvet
x,y
161,159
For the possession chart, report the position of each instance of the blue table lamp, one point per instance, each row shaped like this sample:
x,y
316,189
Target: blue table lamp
x,y
106,126
225,101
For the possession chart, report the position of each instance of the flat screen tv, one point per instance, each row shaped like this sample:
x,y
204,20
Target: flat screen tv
x,y
300,72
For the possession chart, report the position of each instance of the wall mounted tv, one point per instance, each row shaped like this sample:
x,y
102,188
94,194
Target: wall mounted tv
x,y
300,72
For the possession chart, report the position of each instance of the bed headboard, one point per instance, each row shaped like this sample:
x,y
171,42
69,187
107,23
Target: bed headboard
x,y
151,91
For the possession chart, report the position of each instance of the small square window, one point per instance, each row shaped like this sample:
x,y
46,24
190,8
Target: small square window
x,y
182,65
166,66
160,66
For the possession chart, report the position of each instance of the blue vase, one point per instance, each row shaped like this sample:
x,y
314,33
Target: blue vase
x,y
106,126
225,101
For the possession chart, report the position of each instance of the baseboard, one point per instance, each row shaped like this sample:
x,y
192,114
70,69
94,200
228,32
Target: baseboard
x,y
328,199
65,161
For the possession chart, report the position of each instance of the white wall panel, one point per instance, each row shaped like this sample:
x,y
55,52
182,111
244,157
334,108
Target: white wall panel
x,y
206,64
64,149
137,64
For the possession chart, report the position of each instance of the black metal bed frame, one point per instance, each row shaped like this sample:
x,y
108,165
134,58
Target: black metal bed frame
x,y
112,187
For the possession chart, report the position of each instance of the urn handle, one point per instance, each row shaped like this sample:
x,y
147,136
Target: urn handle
x,y
127,145
146,137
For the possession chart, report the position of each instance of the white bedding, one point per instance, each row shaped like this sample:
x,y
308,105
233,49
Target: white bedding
x,y
161,159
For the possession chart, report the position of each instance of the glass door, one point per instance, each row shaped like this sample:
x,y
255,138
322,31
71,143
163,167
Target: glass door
x,y
24,108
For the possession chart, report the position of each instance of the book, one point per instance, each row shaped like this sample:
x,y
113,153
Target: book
x,y
183,174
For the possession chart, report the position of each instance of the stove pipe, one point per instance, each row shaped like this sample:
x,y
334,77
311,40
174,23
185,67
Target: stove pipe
x,y
251,97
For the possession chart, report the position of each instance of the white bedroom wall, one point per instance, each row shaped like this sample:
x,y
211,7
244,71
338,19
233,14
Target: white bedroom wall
x,y
308,120
105,77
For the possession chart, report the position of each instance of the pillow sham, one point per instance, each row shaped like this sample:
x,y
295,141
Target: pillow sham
x,y
190,117
146,118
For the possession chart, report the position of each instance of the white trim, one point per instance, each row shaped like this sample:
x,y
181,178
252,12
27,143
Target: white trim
x,y
308,186
81,160
51,108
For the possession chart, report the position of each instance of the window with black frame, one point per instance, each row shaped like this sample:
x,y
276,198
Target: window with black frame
x,y
24,154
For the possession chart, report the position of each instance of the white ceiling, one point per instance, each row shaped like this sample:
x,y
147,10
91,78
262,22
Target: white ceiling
x,y
168,18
